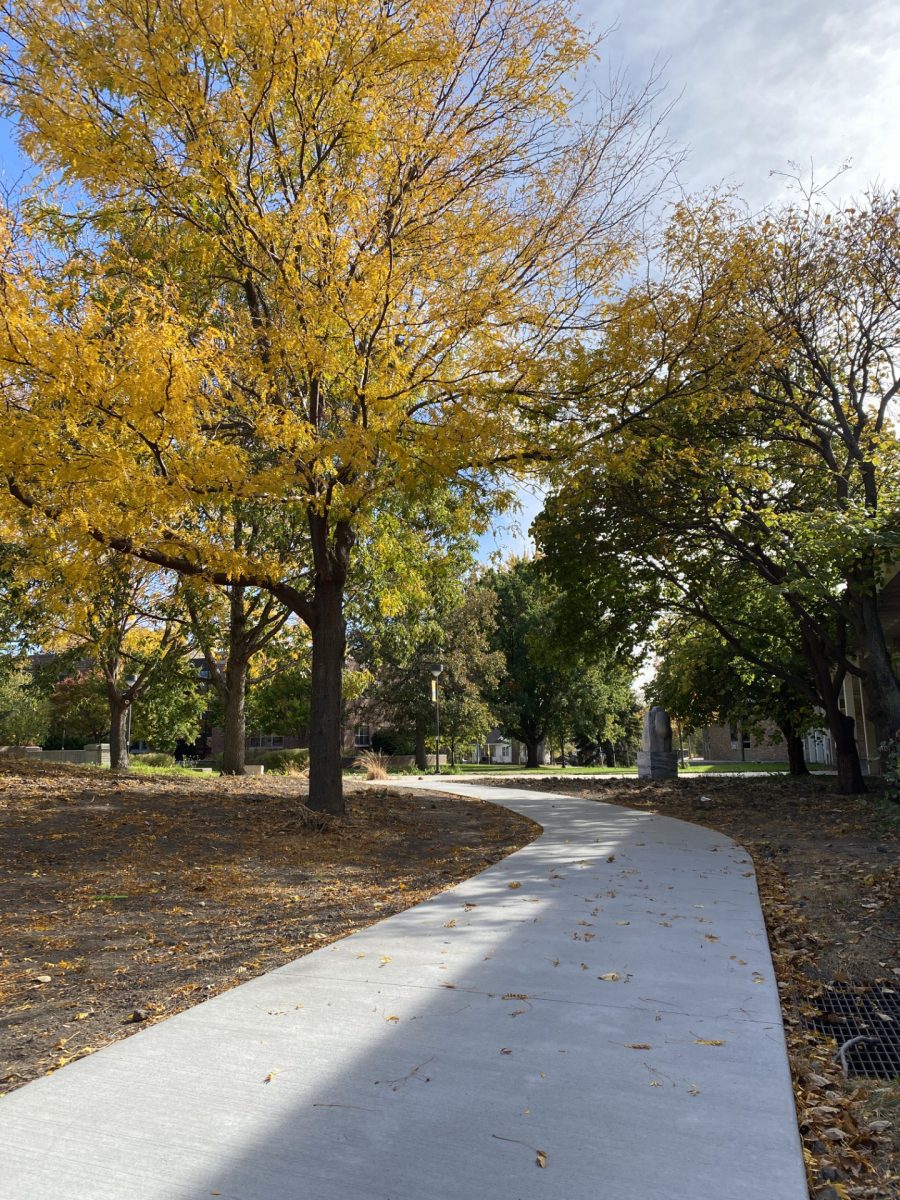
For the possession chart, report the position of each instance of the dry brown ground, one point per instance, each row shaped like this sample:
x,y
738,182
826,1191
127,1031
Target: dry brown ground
x,y
129,898
829,877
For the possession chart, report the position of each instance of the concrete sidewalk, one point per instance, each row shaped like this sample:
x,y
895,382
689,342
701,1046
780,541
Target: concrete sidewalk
x,y
601,1002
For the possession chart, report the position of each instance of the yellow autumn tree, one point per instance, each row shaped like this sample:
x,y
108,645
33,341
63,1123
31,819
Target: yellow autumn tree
x,y
295,259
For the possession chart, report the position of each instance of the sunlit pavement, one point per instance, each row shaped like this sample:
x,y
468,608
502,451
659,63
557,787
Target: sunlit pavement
x,y
594,1016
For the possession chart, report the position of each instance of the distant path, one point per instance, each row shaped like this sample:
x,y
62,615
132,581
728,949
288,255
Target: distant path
x,y
444,1052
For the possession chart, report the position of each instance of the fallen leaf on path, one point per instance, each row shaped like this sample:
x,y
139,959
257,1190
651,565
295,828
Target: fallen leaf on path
x,y
708,1042
610,977
514,884
541,1158
638,1046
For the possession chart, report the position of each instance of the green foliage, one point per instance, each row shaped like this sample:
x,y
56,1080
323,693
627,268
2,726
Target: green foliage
x,y
703,678
419,604
279,701
171,705
281,762
24,710
393,742
153,760
79,705
556,683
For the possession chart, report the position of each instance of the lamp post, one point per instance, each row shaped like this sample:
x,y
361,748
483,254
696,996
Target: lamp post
x,y
435,672
130,681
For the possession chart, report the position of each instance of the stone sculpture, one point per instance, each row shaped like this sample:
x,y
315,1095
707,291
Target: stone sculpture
x,y
656,759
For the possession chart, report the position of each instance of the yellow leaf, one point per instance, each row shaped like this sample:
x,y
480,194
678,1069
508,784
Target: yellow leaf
x,y
708,1042
515,884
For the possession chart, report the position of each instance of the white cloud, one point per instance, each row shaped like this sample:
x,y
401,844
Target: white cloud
x,y
771,81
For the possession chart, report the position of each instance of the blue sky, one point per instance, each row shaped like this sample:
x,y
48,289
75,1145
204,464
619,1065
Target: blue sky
x,y
757,84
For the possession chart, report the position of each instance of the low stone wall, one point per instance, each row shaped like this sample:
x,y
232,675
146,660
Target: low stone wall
x,y
96,753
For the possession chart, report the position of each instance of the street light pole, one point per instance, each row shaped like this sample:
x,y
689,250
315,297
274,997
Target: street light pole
x,y
130,681
435,671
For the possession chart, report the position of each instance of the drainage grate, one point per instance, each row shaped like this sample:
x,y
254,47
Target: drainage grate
x,y
862,1010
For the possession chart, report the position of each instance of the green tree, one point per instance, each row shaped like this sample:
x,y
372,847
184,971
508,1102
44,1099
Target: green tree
x,y
602,716
24,711
320,257
78,703
552,682
738,416
170,708
280,697
702,679
413,603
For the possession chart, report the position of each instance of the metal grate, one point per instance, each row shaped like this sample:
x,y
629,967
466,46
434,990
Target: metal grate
x,y
869,1011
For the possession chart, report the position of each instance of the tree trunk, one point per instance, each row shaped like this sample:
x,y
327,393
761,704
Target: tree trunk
x,y
453,752
118,733
328,645
840,726
794,743
234,750
421,749
882,690
846,753
532,747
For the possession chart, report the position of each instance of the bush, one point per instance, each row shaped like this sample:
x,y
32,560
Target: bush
x,y
282,762
392,741
374,763
153,760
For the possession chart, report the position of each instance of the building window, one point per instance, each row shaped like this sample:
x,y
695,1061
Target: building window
x,y
362,737
265,741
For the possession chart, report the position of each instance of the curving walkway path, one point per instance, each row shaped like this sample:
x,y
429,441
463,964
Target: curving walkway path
x,y
602,1001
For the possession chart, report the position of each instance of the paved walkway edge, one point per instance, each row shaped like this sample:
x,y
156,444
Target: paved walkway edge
x,y
594,1016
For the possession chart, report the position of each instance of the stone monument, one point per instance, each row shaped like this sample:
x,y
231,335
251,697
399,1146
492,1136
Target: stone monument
x,y
656,759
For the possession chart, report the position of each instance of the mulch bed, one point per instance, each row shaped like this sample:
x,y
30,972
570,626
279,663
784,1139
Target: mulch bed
x,y
828,869
129,898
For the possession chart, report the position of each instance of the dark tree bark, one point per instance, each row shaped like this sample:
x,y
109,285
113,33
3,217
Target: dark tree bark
x,y
794,744
882,686
233,686
331,556
118,731
234,749
328,646
250,629
421,749
532,747
841,727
